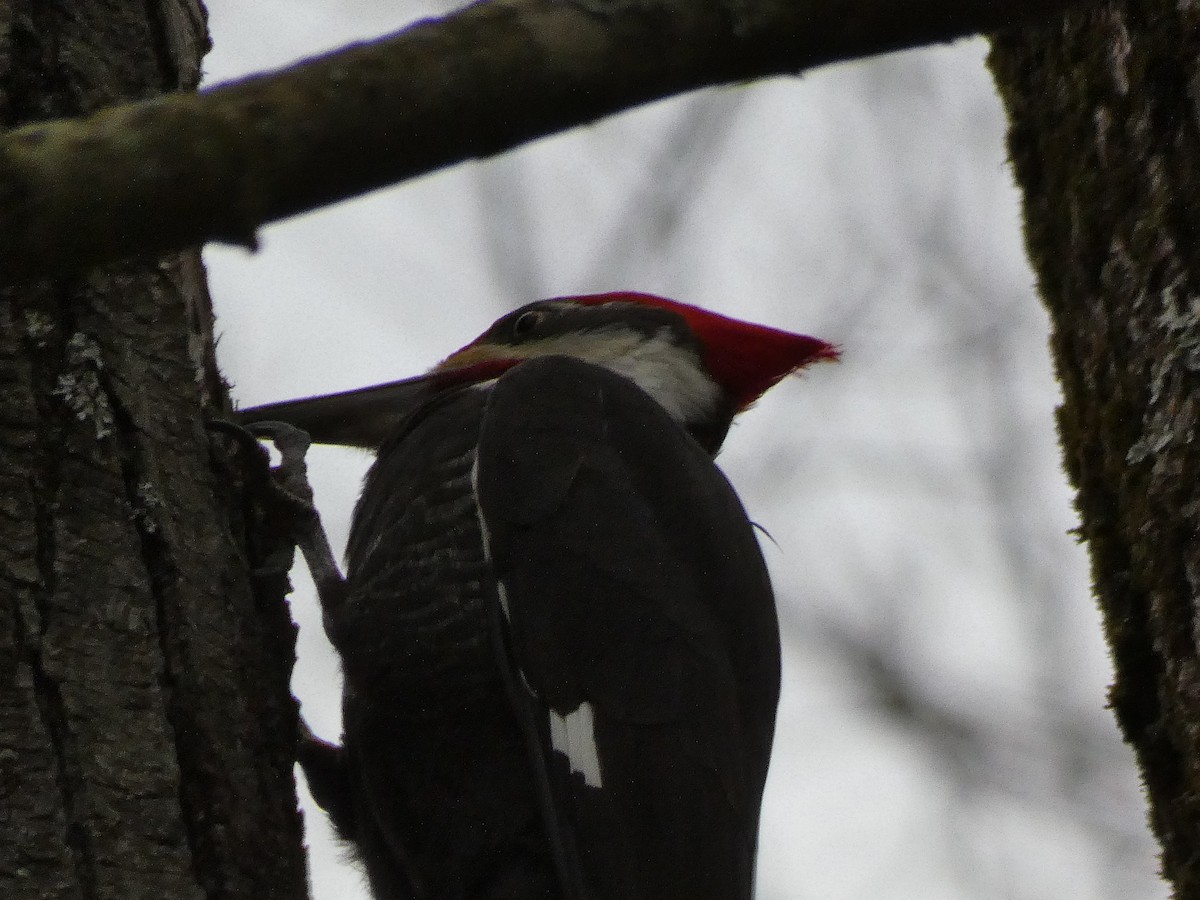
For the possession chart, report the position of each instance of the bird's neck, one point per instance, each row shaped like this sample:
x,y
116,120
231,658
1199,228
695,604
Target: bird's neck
x,y
672,375
677,380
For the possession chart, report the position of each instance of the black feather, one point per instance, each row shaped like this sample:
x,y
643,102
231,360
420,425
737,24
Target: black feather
x,y
633,582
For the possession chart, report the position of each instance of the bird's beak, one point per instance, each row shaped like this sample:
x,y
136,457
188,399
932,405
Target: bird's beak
x,y
366,417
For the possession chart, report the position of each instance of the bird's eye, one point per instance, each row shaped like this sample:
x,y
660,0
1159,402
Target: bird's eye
x,y
527,322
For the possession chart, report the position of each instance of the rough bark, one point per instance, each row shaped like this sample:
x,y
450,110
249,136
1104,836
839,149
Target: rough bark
x,y
1106,146
156,176
146,728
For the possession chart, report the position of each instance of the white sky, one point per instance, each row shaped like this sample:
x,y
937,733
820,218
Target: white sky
x,y
913,492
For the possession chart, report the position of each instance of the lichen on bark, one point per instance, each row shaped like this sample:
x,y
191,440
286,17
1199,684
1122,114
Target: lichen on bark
x,y
146,727
1105,146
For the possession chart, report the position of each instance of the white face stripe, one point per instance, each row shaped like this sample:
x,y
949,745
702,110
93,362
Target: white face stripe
x,y
501,591
574,736
483,529
486,540
673,375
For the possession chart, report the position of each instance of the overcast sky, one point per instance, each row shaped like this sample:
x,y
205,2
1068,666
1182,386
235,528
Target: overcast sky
x,y
942,732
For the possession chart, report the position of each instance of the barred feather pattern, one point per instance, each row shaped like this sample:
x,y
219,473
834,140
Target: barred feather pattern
x,y
445,798
416,575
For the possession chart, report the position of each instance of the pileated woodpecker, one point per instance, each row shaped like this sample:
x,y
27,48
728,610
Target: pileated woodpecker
x,y
558,636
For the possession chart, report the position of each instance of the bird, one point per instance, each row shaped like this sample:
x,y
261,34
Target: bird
x,y
558,637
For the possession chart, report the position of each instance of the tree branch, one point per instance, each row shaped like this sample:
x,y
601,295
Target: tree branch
x,y
150,177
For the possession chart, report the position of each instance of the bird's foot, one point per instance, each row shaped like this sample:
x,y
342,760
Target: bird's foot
x,y
292,472
324,766
293,494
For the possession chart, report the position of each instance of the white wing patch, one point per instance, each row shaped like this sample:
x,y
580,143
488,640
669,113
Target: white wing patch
x,y
574,736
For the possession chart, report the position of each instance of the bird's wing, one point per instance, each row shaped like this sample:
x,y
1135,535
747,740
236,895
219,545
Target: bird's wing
x,y
637,625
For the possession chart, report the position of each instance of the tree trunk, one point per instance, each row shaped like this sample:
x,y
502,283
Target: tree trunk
x,y
146,730
1106,146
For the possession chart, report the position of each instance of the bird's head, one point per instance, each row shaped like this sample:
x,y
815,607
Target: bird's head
x,y
701,367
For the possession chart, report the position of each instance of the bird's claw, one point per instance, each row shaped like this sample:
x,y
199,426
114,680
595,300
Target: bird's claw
x,y
294,496
290,477
292,471
289,440
244,438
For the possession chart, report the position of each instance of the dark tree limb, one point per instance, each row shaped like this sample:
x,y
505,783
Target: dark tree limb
x,y
167,173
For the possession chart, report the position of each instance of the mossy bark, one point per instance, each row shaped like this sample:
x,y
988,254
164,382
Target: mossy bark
x,y
1105,143
480,81
146,728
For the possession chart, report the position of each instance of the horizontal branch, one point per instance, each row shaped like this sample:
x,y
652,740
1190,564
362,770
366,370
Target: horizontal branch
x,y
150,177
